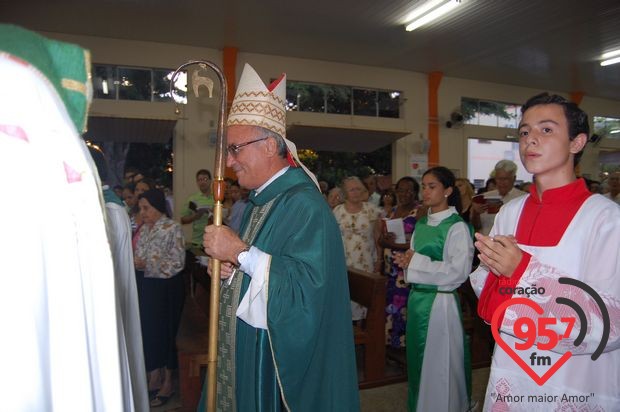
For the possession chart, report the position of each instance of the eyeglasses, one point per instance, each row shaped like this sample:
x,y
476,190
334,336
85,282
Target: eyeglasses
x,y
233,149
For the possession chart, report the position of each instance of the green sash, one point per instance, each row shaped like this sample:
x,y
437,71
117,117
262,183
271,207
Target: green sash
x,y
429,241
227,330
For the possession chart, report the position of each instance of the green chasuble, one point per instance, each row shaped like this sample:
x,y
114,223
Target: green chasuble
x,y
305,361
429,241
66,66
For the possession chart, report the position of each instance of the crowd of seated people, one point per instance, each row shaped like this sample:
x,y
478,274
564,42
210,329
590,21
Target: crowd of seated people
x,y
378,223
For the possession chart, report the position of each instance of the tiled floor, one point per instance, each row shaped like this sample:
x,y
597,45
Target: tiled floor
x,y
393,398
389,398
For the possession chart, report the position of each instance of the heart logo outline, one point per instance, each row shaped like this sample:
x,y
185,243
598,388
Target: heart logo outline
x,y
540,380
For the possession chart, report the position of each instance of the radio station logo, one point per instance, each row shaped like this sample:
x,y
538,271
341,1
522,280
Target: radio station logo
x,y
529,330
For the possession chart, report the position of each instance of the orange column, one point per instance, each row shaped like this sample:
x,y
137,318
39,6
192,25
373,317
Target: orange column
x,y
576,97
229,59
434,79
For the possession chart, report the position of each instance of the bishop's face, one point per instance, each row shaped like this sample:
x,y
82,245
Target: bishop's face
x,y
249,162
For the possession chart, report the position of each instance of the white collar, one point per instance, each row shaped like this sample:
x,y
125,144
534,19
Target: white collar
x,y
272,178
439,216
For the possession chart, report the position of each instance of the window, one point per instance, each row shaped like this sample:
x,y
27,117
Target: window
x,y
338,99
324,98
608,127
104,82
389,104
312,99
133,83
364,102
490,113
483,154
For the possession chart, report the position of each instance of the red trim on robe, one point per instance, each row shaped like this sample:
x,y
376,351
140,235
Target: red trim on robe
x,y
290,159
543,222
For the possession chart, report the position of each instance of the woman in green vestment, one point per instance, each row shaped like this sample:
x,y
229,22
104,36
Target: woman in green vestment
x,y
438,262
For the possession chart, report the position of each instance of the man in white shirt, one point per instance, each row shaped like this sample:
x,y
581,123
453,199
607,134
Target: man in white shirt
x,y
505,173
371,184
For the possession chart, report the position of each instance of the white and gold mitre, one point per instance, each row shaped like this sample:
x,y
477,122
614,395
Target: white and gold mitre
x,y
257,105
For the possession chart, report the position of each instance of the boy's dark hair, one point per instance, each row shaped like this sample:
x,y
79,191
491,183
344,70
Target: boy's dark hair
x,y
447,179
576,118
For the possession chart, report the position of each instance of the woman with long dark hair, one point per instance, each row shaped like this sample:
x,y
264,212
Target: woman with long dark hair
x,y
438,262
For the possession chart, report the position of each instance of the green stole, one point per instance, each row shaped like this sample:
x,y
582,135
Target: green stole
x,y
230,296
428,241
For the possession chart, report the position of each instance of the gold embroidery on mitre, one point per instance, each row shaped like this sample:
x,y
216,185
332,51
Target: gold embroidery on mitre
x,y
267,95
246,122
258,109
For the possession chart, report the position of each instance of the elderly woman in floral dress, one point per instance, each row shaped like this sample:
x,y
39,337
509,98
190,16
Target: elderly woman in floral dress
x,y
359,228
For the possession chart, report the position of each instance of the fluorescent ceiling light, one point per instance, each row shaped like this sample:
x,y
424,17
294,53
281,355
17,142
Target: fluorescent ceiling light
x,y
610,54
610,61
429,12
419,11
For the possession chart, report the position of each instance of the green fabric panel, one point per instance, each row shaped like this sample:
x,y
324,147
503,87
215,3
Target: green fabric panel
x,y
228,334
429,240
110,197
56,61
419,307
309,315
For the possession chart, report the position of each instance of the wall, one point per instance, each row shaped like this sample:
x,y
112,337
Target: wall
x,y
193,151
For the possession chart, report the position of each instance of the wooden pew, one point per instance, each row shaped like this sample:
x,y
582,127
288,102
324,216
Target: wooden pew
x,y
192,344
369,290
365,288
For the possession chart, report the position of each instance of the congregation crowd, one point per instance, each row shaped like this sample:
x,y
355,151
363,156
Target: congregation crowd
x,y
383,231
366,216
285,316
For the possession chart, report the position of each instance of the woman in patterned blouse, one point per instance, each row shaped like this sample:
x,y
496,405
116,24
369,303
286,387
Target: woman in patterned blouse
x,y
358,226
159,257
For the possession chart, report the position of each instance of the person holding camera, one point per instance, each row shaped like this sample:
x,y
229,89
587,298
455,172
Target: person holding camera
x,y
199,207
